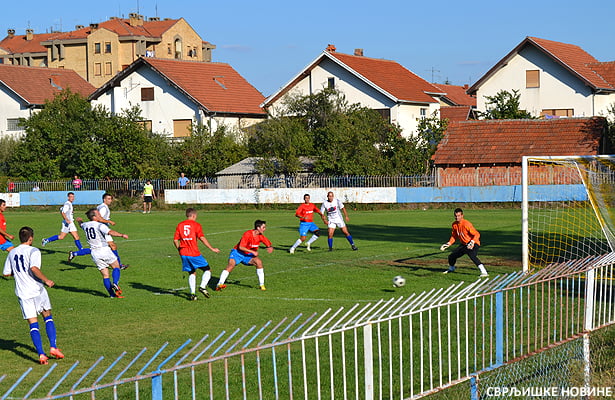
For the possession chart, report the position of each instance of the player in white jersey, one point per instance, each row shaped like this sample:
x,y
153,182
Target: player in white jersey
x,y
334,209
95,233
24,264
105,218
68,224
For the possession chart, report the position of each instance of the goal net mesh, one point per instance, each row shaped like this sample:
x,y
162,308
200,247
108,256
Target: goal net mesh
x,y
570,208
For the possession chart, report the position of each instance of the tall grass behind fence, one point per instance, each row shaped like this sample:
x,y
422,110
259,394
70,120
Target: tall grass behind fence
x,y
392,349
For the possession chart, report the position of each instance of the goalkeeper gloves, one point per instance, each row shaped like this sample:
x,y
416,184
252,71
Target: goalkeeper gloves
x,y
444,246
471,244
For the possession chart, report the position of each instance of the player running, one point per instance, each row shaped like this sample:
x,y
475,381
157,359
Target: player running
x,y
246,252
305,213
5,237
105,218
185,240
95,233
68,224
24,263
334,209
469,239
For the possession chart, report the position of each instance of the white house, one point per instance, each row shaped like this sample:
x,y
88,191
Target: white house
x,y
173,95
396,93
24,90
553,79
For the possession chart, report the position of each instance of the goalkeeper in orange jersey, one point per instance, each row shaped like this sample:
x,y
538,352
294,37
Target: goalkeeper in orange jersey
x,y
305,213
469,239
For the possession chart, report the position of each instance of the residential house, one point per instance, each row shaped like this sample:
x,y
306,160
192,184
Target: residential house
x,y
173,95
98,51
24,90
399,95
456,104
489,152
554,79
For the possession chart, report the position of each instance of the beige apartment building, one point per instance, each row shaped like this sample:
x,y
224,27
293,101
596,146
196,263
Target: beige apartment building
x,y
99,51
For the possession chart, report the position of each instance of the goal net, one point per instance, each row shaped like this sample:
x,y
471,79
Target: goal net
x,y
568,209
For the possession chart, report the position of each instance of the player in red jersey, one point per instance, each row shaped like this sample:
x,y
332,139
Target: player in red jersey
x,y
186,235
305,213
246,252
5,237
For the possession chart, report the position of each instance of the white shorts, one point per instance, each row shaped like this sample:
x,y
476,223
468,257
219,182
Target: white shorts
x,y
68,228
103,257
31,308
336,223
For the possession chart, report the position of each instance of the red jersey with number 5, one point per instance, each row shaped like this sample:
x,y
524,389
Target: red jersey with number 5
x,y
188,233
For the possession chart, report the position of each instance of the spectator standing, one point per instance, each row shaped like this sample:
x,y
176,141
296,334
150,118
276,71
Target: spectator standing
x,y
182,181
77,183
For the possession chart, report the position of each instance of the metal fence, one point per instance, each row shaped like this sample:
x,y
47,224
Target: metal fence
x,y
466,337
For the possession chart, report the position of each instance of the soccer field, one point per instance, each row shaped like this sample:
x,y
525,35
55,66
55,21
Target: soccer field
x,y
156,307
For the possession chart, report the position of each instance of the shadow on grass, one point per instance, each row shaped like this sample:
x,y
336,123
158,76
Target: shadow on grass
x,y
159,290
80,290
19,349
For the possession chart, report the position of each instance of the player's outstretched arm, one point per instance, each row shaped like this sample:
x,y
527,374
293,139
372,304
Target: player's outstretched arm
x,y
209,246
117,234
444,246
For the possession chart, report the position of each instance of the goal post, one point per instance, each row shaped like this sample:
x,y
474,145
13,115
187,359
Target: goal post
x,y
568,205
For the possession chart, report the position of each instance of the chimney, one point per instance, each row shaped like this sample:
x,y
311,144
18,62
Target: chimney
x,y
93,27
135,19
331,48
358,52
77,27
154,18
466,86
10,32
29,34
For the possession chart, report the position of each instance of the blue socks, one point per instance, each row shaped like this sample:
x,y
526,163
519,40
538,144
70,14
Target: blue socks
x,y
78,244
349,238
35,334
116,275
330,241
82,252
118,256
52,238
107,284
50,328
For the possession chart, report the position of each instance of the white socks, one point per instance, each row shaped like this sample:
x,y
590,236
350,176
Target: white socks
x,y
482,269
223,276
260,273
192,283
312,239
205,279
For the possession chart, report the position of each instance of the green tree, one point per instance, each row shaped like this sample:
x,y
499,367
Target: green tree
x,y
204,152
504,105
68,137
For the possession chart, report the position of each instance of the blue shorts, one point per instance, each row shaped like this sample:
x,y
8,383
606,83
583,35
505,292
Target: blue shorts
x,y
6,245
305,227
240,257
192,263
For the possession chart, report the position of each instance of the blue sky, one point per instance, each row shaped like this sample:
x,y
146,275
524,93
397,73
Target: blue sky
x,y
269,42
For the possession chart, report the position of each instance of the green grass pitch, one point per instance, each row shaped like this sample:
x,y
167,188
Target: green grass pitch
x,y
156,307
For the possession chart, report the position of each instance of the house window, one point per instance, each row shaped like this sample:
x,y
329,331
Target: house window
x,y
97,69
107,47
12,124
147,125
385,113
169,51
532,78
178,49
423,113
147,94
108,69
331,83
96,48
182,127
558,112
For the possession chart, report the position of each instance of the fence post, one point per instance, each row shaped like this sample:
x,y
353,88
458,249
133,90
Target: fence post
x,y
368,362
157,387
499,328
474,387
589,323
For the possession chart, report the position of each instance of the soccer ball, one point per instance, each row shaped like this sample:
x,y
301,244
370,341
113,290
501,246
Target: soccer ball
x,y
399,281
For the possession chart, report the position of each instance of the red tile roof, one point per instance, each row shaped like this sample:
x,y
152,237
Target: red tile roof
x,y
215,86
489,142
35,85
19,44
573,58
391,77
606,71
455,113
122,27
457,94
